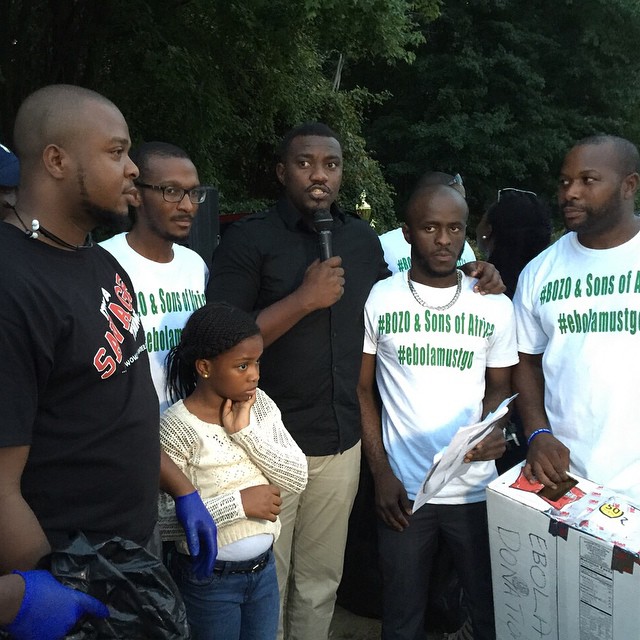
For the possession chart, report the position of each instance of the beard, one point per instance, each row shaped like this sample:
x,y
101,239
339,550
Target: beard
x,y
420,265
433,273
164,234
596,219
108,219
423,263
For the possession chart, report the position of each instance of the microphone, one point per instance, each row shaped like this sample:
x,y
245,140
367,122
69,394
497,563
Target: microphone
x,y
323,223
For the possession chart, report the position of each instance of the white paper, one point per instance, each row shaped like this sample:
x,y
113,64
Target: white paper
x,y
448,463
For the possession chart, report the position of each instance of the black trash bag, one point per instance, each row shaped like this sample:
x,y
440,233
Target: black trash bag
x,y
143,600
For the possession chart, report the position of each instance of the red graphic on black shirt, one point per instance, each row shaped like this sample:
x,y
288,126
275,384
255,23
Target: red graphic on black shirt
x,y
107,358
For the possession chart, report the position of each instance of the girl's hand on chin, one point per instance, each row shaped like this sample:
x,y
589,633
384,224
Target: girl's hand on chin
x,y
236,415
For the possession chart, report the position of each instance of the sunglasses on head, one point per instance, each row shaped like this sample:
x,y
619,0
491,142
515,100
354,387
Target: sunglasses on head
x,y
457,179
513,189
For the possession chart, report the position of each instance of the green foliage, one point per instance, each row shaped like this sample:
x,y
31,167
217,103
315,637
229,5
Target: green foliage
x,y
494,89
500,90
224,79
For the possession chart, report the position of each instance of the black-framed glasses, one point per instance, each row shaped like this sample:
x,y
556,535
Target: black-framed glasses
x,y
514,190
197,195
457,179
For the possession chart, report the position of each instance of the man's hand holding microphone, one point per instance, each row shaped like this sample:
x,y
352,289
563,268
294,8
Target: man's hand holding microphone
x,y
323,283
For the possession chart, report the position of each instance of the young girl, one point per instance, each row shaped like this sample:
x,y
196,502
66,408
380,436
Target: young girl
x,y
227,436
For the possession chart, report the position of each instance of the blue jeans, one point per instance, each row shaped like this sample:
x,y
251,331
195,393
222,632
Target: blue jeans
x,y
234,603
406,560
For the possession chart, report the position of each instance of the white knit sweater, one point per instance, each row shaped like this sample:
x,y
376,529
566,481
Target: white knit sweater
x,y
219,465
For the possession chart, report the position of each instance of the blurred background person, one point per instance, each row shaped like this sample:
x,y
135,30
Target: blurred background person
x,y
513,231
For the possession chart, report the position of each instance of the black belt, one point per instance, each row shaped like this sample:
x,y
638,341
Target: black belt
x,y
243,566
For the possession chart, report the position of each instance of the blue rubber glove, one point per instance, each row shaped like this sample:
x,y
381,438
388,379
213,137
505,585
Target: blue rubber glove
x,y
49,610
201,533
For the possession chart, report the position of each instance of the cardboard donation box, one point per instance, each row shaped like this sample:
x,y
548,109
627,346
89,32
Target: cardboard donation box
x,y
564,567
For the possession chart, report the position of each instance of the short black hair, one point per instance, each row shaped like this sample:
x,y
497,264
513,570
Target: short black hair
x,y
626,151
210,331
304,129
141,154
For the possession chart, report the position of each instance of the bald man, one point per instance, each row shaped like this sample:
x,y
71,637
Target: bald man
x,y
395,247
577,312
79,445
440,358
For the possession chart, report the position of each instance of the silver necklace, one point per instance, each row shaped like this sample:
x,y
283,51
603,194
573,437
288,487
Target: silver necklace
x,y
443,307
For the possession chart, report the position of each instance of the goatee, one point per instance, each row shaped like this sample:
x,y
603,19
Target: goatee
x,y
106,219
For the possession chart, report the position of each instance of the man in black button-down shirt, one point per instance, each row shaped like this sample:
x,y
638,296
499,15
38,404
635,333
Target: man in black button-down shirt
x,y
310,314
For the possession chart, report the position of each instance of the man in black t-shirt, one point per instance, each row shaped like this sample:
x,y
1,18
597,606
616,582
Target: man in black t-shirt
x,y
79,443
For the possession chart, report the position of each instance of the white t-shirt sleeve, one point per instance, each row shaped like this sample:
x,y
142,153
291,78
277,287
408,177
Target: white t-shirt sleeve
x,y
467,255
531,337
503,349
370,330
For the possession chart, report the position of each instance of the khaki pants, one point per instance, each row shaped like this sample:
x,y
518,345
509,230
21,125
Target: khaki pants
x,y
310,550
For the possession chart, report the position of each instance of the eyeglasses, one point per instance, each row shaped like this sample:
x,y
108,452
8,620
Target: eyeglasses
x,y
196,195
457,179
501,191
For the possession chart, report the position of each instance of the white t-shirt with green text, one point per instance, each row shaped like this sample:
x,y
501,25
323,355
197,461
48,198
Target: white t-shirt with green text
x,y
167,294
430,370
580,307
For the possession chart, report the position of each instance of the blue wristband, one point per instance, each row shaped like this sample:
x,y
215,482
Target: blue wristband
x,y
537,432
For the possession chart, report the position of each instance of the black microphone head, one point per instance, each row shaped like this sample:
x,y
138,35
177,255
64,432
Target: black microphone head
x,y
322,220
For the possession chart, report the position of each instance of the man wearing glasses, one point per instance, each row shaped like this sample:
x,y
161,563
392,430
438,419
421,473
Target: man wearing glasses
x,y
169,279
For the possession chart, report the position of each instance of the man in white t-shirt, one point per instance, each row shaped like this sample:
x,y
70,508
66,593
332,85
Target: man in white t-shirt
x,y
169,279
397,252
578,318
441,357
